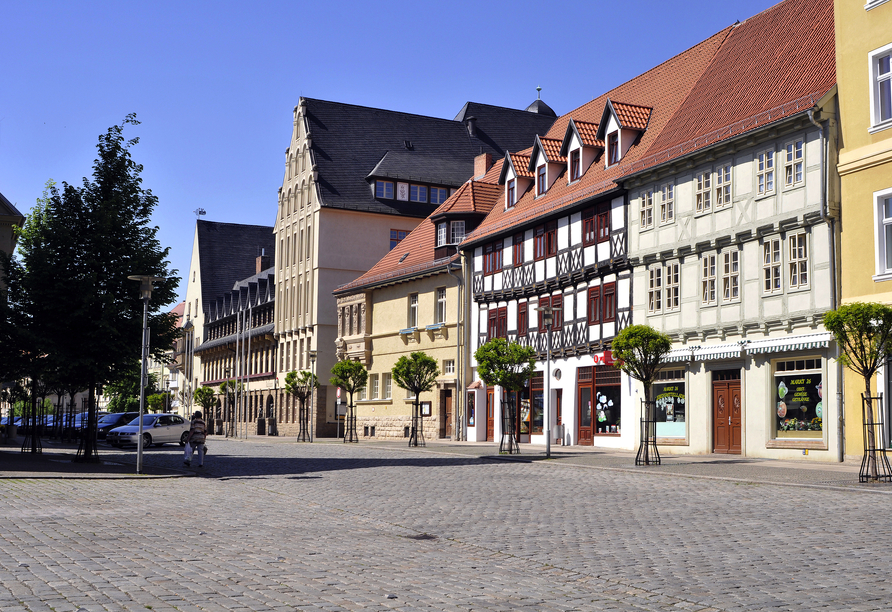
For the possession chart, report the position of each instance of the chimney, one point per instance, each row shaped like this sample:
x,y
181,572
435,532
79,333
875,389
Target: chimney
x,y
262,261
482,164
471,123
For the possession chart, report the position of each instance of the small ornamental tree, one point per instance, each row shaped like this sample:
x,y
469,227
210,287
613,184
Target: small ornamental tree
x,y
230,390
204,397
508,365
301,386
417,374
352,377
863,330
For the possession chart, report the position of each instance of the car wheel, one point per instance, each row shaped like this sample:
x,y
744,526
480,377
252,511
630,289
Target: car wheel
x,y
183,438
146,440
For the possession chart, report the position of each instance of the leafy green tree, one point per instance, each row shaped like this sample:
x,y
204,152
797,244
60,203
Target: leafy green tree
x,y
230,390
301,386
124,393
639,350
508,365
155,402
417,374
204,397
352,377
862,331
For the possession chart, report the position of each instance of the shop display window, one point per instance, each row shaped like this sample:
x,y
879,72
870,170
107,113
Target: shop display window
x,y
670,410
798,391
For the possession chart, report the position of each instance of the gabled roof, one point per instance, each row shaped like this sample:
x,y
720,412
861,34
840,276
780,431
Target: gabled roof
x,y
587,133
520,163
227,253
474,197
8,210
629,117
551,147
349,142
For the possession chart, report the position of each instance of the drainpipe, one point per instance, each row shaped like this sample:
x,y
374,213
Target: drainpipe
x,y
826,218
459,387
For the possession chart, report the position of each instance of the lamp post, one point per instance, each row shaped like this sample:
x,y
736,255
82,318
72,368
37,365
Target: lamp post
x,y
226,402
548,319
145,292
313,400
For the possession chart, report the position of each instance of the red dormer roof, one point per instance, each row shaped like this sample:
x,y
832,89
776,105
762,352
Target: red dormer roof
x,y
585,131
551,147
520,163
629,116
474,197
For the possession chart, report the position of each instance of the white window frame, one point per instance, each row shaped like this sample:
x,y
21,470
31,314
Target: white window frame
x,y
671,277
772,266
882,239
798,260
667,203
731,276
456,232
655,290
794,162
876,123
703,192
647,209
413,310
723,192
387,383
708,294
373,379
765,178
441,305
449,367
441,233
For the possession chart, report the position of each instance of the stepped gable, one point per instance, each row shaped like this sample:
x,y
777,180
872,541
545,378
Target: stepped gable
x,y
662,89
773,65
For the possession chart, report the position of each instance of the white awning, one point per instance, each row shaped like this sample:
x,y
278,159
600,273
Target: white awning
x,y
718,351
678,354
790,343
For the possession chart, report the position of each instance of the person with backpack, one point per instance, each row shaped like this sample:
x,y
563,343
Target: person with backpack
x,y
195,440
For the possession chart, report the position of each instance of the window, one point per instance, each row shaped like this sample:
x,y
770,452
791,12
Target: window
x,y
765,172
730,275
540,180
647,209
594,305
604,223
608,301
883,224
671,279
575,165
384,189
458,232
708,280
796,407
413,310
396,236
612,148
545,240
498,323
798,261
387,384
655,290
557,311
523,320
544,302
723,186
881,87
492,257
793,163
308,243
771,265
362,393
373,383
703,191
417,193
449,366
441,305
511,193
438,195
589,227
441,234
517,250
667,203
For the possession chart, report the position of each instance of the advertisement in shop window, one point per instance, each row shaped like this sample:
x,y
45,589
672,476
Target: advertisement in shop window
x,y
799,405
670,409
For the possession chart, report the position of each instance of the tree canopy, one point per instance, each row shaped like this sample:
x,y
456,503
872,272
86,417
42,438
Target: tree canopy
x,y
416,373
350,375
301,384
640,350
508,365
862,330
204,397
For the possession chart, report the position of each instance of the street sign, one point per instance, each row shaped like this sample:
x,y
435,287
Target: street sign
x,y
338,395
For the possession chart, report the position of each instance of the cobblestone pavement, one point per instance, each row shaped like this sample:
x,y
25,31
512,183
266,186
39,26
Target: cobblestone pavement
x,y
281,526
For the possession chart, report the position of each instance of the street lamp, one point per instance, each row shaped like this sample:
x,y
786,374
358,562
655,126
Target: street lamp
x,y
145,292
548,319
313,400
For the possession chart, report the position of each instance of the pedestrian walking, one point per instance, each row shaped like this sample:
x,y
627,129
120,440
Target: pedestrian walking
x,y
195,440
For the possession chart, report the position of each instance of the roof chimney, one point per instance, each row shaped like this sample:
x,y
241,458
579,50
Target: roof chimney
x,y
471,123
262,261
482,164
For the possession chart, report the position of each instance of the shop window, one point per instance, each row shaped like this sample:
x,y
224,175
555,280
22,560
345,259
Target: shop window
x,y
798,407
532,411
669,396
599,399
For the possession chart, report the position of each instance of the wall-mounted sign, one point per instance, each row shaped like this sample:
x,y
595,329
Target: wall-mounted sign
x,y
425,408
402,191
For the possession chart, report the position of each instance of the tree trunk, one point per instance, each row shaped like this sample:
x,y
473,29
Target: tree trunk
x,y
871,436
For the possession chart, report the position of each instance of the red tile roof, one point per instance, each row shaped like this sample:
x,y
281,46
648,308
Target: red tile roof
x,y
472,197
521,164
552,149
632,116
589,133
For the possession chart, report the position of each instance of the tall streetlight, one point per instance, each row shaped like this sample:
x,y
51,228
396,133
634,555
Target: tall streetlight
x,y
548,319
313,400
145,292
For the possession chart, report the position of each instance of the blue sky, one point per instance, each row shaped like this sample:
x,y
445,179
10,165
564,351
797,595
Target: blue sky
x,y
214,84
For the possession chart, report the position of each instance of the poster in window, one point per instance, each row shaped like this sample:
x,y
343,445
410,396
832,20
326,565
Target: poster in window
x,y
525,416
470,409
670,402
425,408
799,402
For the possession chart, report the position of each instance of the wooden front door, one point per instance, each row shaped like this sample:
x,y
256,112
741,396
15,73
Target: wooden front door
x,y
490,415
447,407
584,431
726,406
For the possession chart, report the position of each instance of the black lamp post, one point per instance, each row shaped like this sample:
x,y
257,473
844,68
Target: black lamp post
x,y
313,400
548,319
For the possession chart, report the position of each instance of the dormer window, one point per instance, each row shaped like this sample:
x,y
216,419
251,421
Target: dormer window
x,y
438,195
541,186
418,193
384,189
458,232
441,234
612,148
575,165
511,193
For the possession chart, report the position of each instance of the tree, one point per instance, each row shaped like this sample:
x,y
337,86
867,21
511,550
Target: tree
x,y
204,397
508,365
155,402
230,389
124,393
862,331
639,350
352,377
301,386
417,374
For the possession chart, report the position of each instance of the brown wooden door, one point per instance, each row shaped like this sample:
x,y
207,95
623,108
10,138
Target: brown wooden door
x,y
584,430
490,415
727,431
448,410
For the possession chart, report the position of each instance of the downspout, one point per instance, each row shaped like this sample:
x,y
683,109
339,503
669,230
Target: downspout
x,y
459,387
826,218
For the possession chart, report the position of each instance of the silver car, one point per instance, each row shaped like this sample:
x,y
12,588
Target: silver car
x,y
157,429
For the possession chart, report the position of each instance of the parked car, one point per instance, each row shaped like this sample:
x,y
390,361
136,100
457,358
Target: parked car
x,y
110,421
157,429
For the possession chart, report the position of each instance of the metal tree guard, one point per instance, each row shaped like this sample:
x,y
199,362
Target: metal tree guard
x,y
647,446
875,463
508,444
417,425
350,434
303,419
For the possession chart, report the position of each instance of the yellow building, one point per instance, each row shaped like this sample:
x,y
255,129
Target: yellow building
x,y
864,76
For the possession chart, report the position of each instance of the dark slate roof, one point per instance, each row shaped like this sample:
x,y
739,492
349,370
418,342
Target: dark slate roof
x,y
538,106
231,338
228,253
349,142
7,209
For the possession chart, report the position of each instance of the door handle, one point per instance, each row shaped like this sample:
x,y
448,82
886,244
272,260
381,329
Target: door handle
x,y
729,419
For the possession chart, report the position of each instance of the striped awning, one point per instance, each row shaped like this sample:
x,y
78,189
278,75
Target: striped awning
x,y
790,343
711,352
678,354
